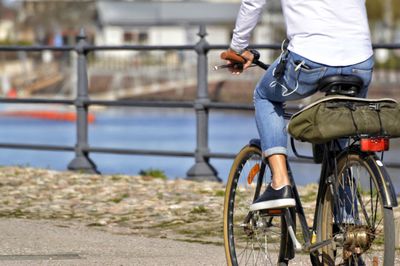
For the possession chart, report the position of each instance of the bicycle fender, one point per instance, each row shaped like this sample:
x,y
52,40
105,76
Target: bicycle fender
x,y
255,143
385,184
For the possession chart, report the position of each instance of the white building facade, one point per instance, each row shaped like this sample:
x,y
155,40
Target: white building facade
x,y
173,23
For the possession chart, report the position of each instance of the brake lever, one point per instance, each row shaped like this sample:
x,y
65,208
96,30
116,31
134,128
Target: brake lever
x,y
235,66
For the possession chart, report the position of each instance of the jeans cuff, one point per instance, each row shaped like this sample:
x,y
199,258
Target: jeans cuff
x,y
275,150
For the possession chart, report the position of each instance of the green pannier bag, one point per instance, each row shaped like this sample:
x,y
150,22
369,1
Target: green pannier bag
x,y
335,117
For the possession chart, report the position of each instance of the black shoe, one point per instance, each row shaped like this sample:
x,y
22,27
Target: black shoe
x,y
274,199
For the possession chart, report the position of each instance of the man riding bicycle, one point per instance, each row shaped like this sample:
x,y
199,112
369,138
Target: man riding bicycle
x,y
325,38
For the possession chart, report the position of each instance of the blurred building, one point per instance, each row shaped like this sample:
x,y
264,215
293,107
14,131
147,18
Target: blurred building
x,y
173,22
54,22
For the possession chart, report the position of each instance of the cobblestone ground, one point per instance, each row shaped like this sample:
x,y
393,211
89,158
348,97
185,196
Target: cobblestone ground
x,y
176,209
173,209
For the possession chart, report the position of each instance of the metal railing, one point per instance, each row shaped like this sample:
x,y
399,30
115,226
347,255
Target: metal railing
x,y
202,169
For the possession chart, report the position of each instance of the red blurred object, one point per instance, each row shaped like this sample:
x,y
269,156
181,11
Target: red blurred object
x,y
374,144
12,93
48,115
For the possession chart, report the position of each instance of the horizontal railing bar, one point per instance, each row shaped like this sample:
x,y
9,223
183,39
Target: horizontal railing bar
x,y
250,107
187,104
138,47
289,109
229,106
138,103
392,164
254,46
37,100
35,147
220,155
233,155
389,46
140,152
16,48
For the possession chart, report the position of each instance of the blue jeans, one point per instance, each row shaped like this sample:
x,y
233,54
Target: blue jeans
x,y
297,83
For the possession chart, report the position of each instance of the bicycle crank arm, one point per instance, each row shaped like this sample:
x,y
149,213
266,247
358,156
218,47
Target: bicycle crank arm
x,y
296,243
290,224
319,245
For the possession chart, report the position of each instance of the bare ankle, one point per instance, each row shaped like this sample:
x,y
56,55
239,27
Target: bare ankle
x,y
279,184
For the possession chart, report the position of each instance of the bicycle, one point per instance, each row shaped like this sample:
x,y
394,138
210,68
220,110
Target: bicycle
x,y
353,219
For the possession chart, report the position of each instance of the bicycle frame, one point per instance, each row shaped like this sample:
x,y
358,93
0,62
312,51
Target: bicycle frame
x,y
324,184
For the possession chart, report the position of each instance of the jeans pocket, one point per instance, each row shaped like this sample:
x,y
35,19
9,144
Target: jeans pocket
x,y
304,77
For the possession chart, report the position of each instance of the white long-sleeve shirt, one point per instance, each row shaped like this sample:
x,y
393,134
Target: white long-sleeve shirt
x,y
330,32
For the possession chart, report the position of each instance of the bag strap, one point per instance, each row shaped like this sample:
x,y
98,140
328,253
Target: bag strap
x,y
377,108
352,106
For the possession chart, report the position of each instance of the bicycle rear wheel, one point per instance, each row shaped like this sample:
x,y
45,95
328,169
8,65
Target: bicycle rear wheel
x,y
361,227
250,238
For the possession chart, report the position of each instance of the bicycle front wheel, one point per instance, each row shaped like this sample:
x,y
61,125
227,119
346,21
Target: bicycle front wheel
x,y
250,238
360,227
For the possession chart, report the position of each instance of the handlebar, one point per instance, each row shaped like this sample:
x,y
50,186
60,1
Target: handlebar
x,y
238,60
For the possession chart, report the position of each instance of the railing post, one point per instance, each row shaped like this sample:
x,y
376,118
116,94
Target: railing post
x,y
202,170
82,162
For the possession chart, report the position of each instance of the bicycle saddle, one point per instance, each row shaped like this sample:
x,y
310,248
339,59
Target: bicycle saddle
x,y
341,84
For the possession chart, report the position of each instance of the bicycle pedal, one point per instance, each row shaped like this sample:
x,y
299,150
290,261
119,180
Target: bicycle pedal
x,y
273,212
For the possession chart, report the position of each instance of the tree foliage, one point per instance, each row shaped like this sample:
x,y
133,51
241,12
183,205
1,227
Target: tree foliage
x,y
376,9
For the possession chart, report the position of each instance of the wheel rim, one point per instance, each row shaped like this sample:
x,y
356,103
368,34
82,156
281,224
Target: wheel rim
x,y
254,239
358,225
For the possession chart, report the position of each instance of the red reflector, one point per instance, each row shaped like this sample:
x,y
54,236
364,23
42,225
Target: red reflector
x,y
374,144
275,212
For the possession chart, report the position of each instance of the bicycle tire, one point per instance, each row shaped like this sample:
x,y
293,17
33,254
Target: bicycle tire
x,y
242,233
363,231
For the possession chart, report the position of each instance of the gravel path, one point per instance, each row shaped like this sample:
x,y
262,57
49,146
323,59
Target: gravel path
x,y
33,242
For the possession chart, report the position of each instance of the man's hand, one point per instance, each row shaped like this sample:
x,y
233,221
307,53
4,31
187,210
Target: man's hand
x,y
248,60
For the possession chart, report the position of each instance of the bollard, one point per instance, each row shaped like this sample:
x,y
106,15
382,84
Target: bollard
x,y
82,162
202,170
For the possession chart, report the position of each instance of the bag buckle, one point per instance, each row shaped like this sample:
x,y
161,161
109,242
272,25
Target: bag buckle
x,y
375,106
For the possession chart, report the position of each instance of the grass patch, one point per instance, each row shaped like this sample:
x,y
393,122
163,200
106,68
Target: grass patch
x,y
155,173
199,210
219,193
310,197
95,225
115,178
199,241
119,198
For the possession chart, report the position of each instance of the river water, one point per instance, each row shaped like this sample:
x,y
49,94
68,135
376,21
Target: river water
x,y
146,129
